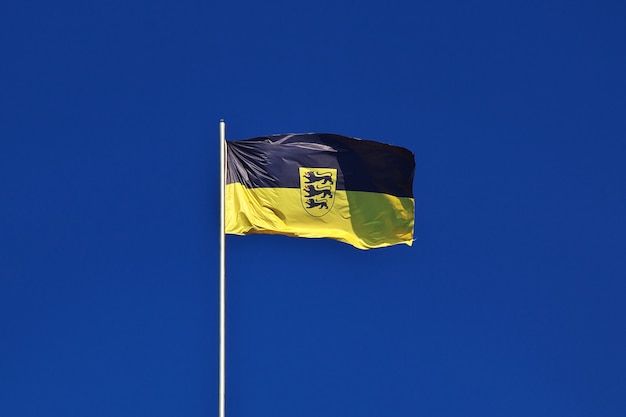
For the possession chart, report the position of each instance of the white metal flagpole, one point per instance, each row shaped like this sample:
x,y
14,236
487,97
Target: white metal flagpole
x,y
222,369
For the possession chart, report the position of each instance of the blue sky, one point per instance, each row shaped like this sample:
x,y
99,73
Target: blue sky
x,y
510,303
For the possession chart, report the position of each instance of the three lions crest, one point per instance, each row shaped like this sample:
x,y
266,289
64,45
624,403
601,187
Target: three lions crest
x,y
317,189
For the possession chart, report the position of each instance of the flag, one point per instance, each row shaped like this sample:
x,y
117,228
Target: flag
x,y
320,186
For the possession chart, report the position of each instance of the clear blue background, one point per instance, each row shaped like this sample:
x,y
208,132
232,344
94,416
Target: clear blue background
x,y
510,303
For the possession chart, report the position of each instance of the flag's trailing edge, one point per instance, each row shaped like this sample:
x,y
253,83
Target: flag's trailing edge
x,y
321,186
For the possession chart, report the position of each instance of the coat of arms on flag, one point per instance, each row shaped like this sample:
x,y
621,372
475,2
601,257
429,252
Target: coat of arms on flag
x,y
317,189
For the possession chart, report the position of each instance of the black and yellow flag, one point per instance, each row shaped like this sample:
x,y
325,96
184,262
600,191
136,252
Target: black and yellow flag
x,y
321,186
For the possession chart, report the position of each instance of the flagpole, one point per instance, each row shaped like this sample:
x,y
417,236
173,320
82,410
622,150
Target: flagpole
x,y
222,368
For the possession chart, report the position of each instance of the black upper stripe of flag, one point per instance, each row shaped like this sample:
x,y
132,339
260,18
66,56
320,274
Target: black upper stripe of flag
x,y
362,165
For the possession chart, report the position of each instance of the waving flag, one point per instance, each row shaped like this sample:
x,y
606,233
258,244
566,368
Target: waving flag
x,y
321,186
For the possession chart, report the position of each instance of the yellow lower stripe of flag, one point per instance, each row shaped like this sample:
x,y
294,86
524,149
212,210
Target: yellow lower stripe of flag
x,y
362,219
